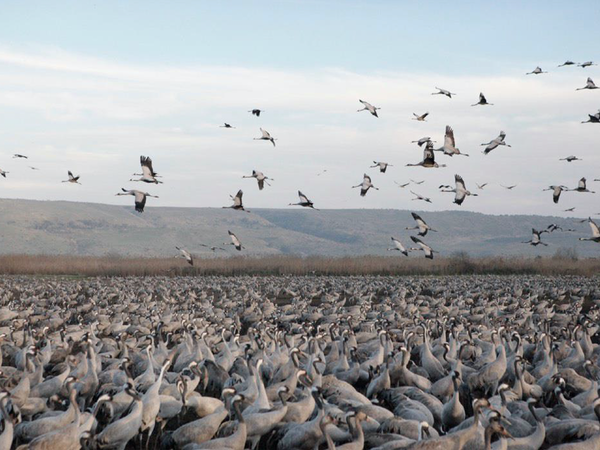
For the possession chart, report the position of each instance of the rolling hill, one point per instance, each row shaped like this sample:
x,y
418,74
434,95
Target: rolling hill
x,y
48,227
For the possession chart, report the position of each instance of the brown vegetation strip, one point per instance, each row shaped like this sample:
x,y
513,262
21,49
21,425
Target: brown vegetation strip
x,y
292,265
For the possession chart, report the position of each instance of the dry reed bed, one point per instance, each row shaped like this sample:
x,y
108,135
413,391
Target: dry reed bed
x,y
292,265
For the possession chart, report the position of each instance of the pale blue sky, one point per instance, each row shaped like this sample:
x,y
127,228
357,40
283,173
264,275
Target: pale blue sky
x,y
90,86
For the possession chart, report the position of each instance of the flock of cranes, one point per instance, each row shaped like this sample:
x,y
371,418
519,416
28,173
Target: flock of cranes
x,y
449,148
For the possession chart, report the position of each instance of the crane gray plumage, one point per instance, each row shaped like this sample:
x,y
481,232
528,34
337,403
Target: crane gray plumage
x,y
421,225
3,173
382,166
72,179
482,100
186,255
423,247
398,246
593,118
226,125
266,136
494,143
238,204
443,92
18,155
589,85
365,185
595,232
556,191
536,238
235,242
420,197
537,71
423,140
139,196
568,62
460,191
368,107
261,178
420,118
428,158
401,186
304,202
148,174
587,64
582,187
449,148
570,158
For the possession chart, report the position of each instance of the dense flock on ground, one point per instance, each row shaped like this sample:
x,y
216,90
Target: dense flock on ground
x,y
300,362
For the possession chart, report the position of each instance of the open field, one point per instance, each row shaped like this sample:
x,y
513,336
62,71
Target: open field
x,y
291,265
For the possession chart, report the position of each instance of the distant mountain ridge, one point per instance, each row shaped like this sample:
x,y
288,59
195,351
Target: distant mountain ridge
x,y
60,227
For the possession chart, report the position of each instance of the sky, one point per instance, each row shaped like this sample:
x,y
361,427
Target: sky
x,y
90,86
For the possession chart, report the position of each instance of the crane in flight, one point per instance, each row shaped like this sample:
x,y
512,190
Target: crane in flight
x,y
237,202
398,247
420,118
482,101
365,185
148,174
368,107
266,136
428,159
186,255
443,92
460,191
304,202
260,177
495,143
72,179
595,232
139,198
449,148
537,71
